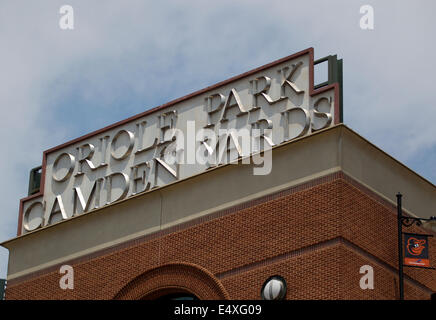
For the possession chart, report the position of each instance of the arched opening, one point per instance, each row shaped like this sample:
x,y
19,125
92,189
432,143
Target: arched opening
x,y
181,296
179,280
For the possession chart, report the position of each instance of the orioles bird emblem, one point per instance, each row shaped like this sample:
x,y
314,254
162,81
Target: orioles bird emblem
x,y
415,246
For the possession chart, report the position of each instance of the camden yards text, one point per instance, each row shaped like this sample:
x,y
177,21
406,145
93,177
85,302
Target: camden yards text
x,y
271,104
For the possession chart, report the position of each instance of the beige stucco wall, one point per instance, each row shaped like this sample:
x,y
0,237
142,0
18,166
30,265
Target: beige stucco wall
x,y
386,176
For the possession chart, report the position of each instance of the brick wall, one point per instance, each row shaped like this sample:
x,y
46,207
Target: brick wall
x,y
316,235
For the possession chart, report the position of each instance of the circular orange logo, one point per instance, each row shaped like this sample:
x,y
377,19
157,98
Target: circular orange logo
x,y
415,246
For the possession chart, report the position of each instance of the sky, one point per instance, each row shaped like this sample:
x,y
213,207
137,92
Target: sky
x,y
124,57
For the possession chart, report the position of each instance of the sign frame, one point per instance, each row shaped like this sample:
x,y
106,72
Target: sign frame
x,y
313,91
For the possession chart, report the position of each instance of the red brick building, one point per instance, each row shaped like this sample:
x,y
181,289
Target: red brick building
x,y
327,208
316,232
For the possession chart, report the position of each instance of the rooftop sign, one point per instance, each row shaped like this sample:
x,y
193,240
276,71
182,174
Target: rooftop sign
x,y
270,105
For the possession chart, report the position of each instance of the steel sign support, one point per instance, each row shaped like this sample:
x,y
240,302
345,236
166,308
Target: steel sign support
x,y
407,222
2,289
335,75
400,246
34,180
